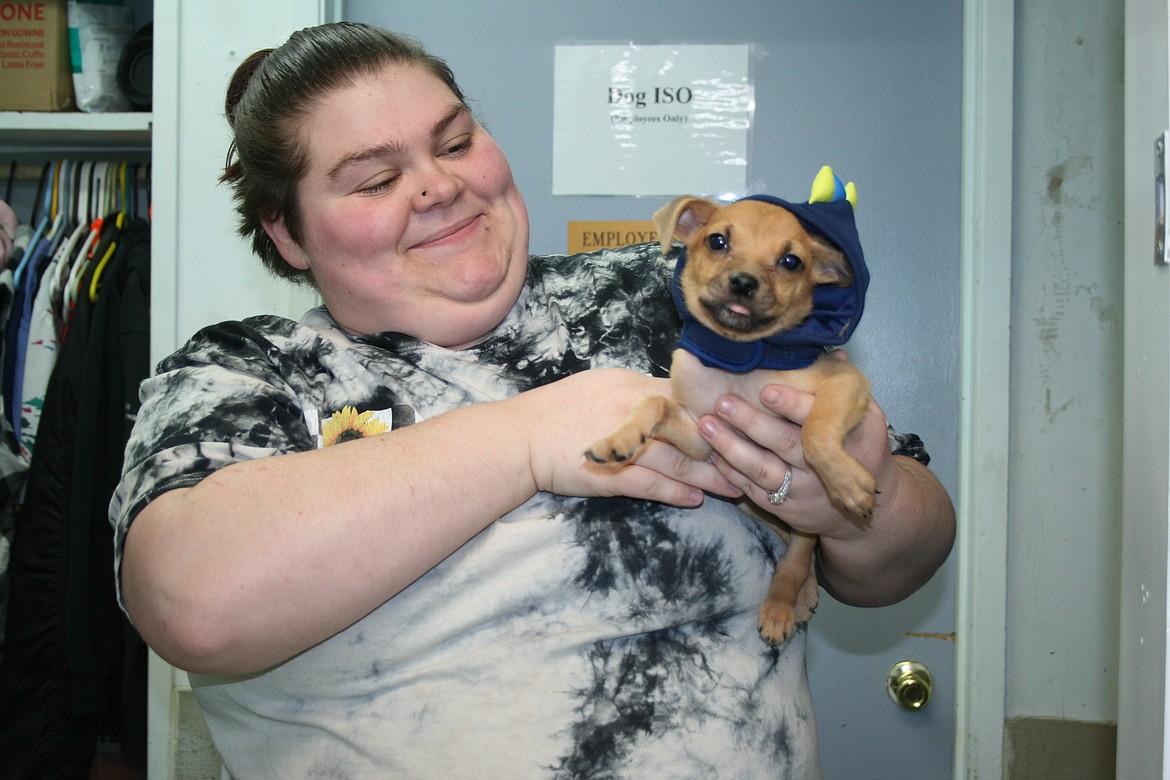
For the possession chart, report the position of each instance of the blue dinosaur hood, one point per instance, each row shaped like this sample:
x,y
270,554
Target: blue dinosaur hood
x,y
836,310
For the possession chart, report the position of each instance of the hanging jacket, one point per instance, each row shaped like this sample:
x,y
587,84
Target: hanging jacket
x,y
62,673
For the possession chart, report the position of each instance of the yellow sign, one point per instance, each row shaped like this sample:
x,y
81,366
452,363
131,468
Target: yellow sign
x,y
587,236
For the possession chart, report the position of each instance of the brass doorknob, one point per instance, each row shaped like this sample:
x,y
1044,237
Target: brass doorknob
x,y
909,684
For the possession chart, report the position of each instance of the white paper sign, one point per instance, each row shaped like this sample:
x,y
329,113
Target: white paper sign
x,y
651,120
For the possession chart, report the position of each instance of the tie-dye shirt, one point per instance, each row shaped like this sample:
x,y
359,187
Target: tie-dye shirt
x,y
573,638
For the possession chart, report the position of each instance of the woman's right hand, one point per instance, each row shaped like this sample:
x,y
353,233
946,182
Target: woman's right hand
x,y
563,418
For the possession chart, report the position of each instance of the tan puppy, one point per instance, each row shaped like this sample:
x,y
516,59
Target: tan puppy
x,y
750,274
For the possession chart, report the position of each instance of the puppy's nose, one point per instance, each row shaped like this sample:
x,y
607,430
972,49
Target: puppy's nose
x,y
744,285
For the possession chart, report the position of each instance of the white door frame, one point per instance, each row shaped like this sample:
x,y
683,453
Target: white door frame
x,y
980,662
1142,740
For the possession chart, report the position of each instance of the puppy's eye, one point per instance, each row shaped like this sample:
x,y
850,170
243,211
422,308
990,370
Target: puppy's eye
x,y
717,242
789,263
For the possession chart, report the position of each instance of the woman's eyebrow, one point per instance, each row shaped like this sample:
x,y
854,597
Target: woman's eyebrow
x,y
392,148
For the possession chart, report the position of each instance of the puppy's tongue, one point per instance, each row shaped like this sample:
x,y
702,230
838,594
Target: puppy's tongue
x,y
739,308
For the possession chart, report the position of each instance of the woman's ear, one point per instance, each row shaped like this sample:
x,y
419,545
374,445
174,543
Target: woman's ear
x,y
289,249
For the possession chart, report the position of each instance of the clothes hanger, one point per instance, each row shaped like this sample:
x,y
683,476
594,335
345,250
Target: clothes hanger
x,y
65,198
56,215
98,189
47,192
132,189
111,247
55,280
81,207
56,191
124,184
87,208
62,212
115,190
135,173
110,188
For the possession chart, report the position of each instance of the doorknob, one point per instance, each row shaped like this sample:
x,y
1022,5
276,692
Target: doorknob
x,y
910,684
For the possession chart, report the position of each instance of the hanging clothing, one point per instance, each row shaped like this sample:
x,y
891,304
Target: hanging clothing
x,y
62,670
13,469
45,328
16,332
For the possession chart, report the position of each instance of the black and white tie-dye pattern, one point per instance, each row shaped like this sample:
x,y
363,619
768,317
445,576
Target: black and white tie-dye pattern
x,y
573,638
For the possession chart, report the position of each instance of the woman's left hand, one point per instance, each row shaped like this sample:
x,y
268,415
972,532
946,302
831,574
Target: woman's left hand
x,y
770,446
862,562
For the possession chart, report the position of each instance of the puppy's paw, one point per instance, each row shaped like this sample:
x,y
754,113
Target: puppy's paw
x,y
619,447
856,499
851,487
778,621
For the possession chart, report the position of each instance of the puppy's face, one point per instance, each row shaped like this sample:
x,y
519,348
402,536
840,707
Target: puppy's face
x,y
751,267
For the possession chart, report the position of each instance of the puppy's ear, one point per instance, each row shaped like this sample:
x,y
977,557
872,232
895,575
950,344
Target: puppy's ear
x,y
681,218
829,265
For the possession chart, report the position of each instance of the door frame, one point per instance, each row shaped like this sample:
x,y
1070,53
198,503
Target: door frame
x,y
1142,743
985,340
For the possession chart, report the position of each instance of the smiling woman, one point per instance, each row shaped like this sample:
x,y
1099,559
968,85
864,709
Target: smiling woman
x,y
461,594
410,220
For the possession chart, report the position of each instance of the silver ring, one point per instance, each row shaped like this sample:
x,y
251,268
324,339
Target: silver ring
x,y
780,494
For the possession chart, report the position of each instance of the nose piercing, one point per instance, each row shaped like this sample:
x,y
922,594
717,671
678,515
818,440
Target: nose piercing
x,y
424,193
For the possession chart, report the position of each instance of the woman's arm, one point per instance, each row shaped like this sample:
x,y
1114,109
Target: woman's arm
x,y
266,558
864,563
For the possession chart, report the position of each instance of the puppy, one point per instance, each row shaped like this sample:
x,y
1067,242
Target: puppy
x,y
751,270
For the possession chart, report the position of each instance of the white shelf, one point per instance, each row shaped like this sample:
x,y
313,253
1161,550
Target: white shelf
x,y
38,133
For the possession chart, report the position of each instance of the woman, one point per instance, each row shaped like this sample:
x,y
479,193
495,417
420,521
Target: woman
x,y
429,580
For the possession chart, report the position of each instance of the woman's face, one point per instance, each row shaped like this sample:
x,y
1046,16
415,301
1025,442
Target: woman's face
x,y
411,220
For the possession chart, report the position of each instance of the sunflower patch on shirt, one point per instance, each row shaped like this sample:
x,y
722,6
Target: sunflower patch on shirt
x,y
347,423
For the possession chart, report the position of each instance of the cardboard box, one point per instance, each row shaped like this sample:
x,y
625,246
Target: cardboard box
x,y
34,56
